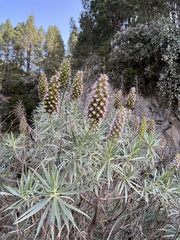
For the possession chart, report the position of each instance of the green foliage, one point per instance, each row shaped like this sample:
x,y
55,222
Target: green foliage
x,y
63,180
23,52
150,52
169,81
137,52
18,92
101,20
29,49
84,46
19,53
30,40
132,39
73,38
54,50
7,32
6,39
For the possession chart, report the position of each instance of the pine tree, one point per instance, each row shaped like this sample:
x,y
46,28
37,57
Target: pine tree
x,y
54,50
73,38
39,50
84,45
19,45
30,40
7,36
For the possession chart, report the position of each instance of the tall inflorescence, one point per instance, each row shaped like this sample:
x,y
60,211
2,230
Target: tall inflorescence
x,y
118,100
51,101
19,111
117,126
96,109
136,123
142,128
77,87
65,74
131,98
23,126
42,87
176,162
151,126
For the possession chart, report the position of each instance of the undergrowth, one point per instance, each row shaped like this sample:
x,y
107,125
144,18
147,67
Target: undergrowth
x,y
79,174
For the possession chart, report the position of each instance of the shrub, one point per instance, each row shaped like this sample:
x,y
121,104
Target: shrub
x,y
150,52
63,179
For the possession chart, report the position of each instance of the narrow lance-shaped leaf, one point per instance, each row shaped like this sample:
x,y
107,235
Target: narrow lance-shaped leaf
x,y
33,210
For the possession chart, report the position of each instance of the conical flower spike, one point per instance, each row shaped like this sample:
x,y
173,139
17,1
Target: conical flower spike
x,y
117,126
51,101
98,101
142,128
65,74
43,86
23,126
77,87
131,98
136,124
176,162
118,100
151,126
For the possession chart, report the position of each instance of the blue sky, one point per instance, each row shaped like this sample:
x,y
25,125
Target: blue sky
x,y
46,13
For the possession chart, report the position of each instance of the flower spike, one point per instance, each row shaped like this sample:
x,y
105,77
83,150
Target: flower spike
x,y
98,101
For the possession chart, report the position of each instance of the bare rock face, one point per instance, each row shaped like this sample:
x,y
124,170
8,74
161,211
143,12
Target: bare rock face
x,y
179,105
167,124
175,132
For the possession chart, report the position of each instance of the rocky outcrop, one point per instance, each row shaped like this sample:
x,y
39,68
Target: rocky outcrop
x,y
167,123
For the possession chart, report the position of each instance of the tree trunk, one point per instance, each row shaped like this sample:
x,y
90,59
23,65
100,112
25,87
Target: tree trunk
x,y
29,58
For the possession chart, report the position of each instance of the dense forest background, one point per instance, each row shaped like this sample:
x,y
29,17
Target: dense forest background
x,y
135,42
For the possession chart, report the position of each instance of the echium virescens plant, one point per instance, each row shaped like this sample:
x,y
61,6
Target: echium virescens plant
x,y
98,101
117,126
54,177
77,87
143,128
176,162
20,113
51,101
136,123
42,86
118,100
23,125
151,126
65,74
131,98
